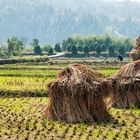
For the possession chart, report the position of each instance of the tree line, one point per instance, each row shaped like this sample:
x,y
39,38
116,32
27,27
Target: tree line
x,y
97,45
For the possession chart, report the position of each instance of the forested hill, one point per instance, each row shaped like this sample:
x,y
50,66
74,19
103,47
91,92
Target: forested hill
x,y
54,20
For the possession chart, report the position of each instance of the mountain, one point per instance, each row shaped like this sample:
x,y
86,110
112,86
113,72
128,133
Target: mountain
x,y
52,21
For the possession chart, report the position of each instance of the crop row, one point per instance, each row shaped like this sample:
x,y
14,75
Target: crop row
x,y
25,118
45,73
18,83
23,86
28,73
48,67
24,60
19,70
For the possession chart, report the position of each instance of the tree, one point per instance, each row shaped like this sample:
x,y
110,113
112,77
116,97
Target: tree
x,y
98,50
111,50
15,46
46,48
73,50
107,40
57,47
1,53
70,41
80,48
35,42
10,47
121,50
96,44
37,49
3,50
93,43
91,47
64,45
50,52
86,50
103,47
69,47
128,45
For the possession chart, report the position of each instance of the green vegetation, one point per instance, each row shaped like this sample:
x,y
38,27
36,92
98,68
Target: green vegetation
x,y
76,46
15,46
57,47
50,52
14,86
33,72
46,48
97,45
24,59
37,49
28,79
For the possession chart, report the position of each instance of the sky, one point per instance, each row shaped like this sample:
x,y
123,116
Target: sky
x,y
130,0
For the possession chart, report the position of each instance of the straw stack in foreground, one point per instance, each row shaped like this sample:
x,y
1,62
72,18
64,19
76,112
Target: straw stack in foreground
x,y
126,91
135,52
77,95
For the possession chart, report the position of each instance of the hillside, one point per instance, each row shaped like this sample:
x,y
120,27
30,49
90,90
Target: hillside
x,y
52,21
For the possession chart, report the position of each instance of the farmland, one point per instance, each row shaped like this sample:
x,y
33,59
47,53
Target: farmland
x,y
24,99
24,118
30,79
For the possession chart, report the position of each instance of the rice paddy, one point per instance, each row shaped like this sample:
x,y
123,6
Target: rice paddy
x,y
33,78
23,101
24,119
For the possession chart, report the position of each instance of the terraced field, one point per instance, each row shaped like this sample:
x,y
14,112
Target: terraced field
x,y
23,101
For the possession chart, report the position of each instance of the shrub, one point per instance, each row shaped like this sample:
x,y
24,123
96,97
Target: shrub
x,y
24,60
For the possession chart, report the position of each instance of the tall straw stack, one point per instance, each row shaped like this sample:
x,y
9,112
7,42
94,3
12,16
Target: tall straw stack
x,y
126,91
135,52
78,95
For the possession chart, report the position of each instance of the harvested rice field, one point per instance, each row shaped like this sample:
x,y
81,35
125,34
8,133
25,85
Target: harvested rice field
x,y
24,99
24,119
30,79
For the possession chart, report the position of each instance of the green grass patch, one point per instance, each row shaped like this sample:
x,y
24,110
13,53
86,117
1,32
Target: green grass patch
x,y
24,59
23,86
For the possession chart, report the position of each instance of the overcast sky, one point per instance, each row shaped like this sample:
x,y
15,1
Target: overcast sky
x,y
130,0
